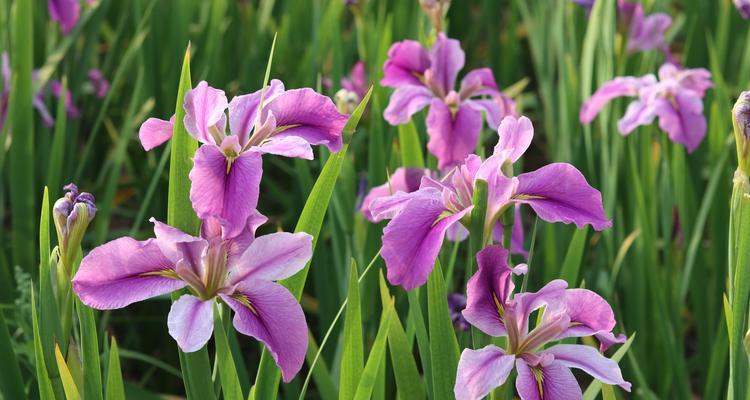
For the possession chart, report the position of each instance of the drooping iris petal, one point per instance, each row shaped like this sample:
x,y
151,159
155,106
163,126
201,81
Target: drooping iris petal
x,y
648,32
494,108
590,361
191,322
65,12
683,120
525,303
446,60
273,257
481,371
515,136
412,240
405,102
620,86
309,115
204,109
388,207
406,61
289,146
404,179
229,193
155,131
488,291
558,192
589,313
607,339
478,82
551,381
268,312
637,114
243,110
123,272
452,137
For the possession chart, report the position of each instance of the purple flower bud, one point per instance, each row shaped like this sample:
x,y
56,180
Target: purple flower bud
x,y
456,304
741,122
72,214
743,6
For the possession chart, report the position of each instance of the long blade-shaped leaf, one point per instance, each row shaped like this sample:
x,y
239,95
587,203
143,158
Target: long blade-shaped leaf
x,y
370,373
71,390
115,387
11,383
352,358
45,386
443,345
572,262
230,384
92,373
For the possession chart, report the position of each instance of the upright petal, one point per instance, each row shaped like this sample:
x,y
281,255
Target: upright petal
x,y
243,110
481,371
495,108
648,33
407,60
191,322
478,82
123,272
268,312
446,60
558,192
552,381
273,257
357,81
404,179
309,115
589,313
204,110
412,240
589,360
515,136
620,86
638,113
65,12
452,137
488,291
154,132
683,119
228,193
178,246
405,102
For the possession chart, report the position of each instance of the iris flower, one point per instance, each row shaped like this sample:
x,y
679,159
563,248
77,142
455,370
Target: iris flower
x,y
543,372
676,98
228,167
65,12
743,6
239,270
357,82
423,78
419,220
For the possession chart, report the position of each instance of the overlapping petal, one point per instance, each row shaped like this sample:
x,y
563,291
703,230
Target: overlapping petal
x,y
407,60
590,361
243,110
191,322
481,371
551,381
404,179
273,257
620,86
204,111
453,136
405,102
446,60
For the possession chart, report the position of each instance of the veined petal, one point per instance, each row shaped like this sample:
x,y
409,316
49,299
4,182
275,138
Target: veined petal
x,y
589,360
515,136
228,193
243,110
495,108
178,246
558,192
123,272
389,206
404,179
357,81
204,109
191,322
308,115
452,137
481,371
552,381
478,82
620,86
683,120
446,60
273,257
65,12
637,114
589,313
412,240
289,146
212,229
607,339
405,102
406,60
154,132
268,312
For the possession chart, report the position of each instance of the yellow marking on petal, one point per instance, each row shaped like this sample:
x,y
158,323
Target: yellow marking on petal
x,y
528,197
498,305
283,128
165,273
539,377
245,302
573,323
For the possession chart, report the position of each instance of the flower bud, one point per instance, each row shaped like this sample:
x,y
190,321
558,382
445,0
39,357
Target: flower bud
x,y
435,10
72,214
346,101
741,123
743,6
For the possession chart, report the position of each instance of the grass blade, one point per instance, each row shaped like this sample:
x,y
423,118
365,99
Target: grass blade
x,y
92,373
230,384
352,358
45,386
443,344
370,373
411,148
115,387
71,391
573,257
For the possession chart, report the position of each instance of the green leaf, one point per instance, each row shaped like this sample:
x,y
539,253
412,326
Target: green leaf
x,y
352,358
71,391
411,148
408,381
11,383
230,384
92,374
572,262
320,372
310,221
45,386
443,344
377,353
115,387
594,387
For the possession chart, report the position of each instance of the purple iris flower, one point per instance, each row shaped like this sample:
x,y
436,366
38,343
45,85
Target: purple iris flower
x,y
456,304
743,6
676,98
5,95
423,78
100,85
228,167
239,270
543,372
65,12
419,220
357,81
